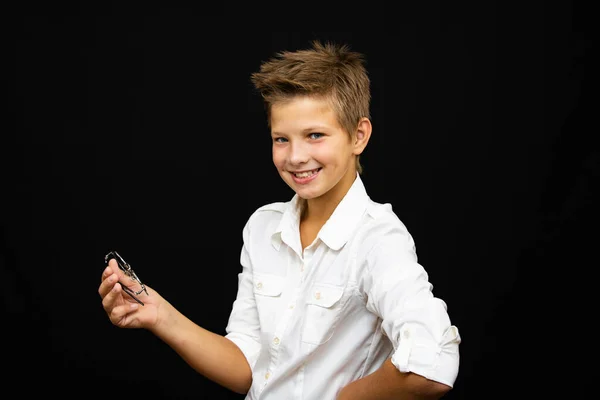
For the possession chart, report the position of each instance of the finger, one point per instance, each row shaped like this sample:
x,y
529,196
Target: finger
x,y
107,284
108,271
112,263
123,277
111,268
115,312
109,300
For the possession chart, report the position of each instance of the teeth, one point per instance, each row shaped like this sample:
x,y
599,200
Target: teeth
x,y
306,174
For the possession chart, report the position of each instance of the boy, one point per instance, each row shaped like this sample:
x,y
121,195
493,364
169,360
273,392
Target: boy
x,y
331,301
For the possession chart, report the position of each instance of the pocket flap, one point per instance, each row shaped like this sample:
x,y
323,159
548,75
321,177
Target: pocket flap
x,y
325,295
268,285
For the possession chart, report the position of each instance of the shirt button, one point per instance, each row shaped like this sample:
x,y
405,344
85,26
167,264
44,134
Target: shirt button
x,y
267,375
291,306
259,285
276,340
406,334
317,295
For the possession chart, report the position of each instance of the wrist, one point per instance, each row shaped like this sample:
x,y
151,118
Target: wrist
x,y
165,317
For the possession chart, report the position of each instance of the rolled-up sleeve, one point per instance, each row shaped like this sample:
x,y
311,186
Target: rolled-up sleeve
x,y
417,323
243,327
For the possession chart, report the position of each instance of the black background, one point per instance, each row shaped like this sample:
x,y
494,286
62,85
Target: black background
x,y
138,130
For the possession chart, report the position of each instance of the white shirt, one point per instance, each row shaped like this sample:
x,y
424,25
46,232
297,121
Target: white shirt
x,y
311,322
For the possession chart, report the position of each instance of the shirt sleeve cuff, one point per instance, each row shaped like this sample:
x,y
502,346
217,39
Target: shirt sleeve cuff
x,y
439,363
249,347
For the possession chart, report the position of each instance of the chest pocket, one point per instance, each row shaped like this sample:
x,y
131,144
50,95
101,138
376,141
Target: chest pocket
x,y
323,310
267,294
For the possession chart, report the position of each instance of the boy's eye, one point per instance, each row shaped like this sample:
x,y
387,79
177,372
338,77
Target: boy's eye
x,y
279,140
315,135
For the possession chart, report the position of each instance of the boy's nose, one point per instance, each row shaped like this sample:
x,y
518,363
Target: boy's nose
x,y
298,154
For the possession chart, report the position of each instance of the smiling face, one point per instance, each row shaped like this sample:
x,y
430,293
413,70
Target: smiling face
x,y
311,151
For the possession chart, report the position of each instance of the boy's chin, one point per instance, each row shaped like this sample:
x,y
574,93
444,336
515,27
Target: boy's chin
x,y
306,195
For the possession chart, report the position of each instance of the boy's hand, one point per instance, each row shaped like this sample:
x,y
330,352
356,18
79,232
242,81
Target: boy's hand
x,y
122,310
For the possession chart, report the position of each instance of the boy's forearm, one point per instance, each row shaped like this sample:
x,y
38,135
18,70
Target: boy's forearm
x,y
389,383
212,355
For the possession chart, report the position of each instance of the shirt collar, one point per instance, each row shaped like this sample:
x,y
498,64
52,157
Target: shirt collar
x,y
346,216
338,228
288,229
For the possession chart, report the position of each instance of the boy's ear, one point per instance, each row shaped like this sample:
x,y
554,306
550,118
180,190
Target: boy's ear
x,y
363,134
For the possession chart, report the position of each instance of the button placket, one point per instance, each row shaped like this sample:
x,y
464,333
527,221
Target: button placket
x,y
276,340
267,376
306,260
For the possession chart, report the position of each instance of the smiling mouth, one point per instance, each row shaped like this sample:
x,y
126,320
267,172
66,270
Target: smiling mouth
x,y
305,174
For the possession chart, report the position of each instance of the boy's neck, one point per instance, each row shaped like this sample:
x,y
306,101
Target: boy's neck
x,y
319,210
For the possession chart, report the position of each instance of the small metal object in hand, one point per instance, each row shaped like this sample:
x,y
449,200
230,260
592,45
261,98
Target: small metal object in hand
x,y
126,268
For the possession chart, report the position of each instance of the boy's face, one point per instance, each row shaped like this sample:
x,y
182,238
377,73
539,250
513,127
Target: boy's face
x,y
311,151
